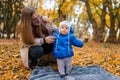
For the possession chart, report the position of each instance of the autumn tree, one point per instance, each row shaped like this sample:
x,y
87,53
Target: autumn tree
x,y
97,27
118,20
113,13
103,8
10,12
60,12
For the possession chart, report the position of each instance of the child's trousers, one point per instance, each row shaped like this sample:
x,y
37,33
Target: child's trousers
x,y
64,65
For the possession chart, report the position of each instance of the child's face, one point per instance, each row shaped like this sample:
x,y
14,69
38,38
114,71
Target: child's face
x,y
64,29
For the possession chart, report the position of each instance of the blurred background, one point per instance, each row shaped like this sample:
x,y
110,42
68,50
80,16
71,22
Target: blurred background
x,y
97,20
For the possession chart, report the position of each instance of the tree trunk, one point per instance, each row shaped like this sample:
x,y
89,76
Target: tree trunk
x,y
9,11
0,33
60,13
102,25
97,32
118,19
119,37
119,33
112,34
14,31
4,30
8,31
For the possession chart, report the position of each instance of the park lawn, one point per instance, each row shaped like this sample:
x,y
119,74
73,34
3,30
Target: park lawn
x,y
105,55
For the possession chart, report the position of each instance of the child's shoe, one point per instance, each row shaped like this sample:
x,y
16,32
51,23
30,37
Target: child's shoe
x,y
62,75
67,74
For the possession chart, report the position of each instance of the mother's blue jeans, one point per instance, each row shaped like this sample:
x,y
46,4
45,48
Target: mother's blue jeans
x,y
35,52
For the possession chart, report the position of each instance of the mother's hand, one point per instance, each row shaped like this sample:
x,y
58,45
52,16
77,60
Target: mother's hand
x,y
49,39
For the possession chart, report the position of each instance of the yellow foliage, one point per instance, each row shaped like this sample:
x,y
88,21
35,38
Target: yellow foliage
x,y
68,7
107,19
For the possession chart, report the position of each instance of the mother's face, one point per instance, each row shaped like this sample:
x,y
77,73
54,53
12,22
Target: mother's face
x,y
36,19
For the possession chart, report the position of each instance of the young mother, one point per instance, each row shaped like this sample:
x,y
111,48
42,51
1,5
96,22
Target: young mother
x,y
34,32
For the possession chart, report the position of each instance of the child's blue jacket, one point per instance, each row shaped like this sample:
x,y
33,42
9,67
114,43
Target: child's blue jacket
x,y
63,44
